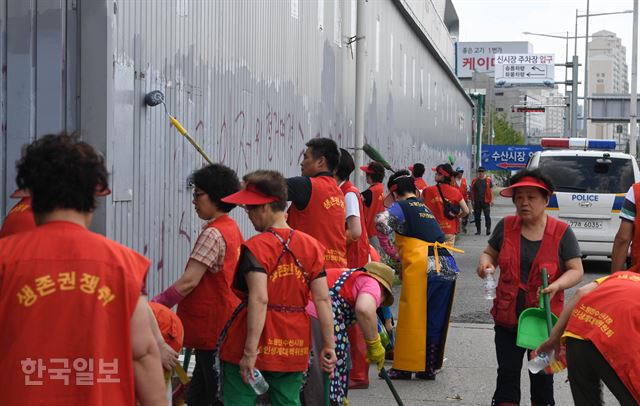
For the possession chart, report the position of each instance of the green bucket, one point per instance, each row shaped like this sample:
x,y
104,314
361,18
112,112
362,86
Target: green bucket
x,y
535,324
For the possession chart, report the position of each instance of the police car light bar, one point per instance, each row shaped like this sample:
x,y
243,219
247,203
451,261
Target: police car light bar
x,y
581,143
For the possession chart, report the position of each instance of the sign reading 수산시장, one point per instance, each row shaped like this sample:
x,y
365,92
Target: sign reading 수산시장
x,y
524,70
507,157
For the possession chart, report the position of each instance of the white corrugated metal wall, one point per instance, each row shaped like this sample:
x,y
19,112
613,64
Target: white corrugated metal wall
x,y
252,81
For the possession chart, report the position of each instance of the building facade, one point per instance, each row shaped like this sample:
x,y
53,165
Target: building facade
x,y
607,74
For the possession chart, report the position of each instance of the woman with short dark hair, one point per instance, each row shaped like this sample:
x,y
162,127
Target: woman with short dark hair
x,y
521,246
71,297
203,292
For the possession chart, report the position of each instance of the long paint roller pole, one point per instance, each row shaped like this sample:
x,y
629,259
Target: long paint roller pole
x,y
156,97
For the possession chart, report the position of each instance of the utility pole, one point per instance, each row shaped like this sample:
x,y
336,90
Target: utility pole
x,y
586,113
633,102
574,96
565,121
480,98
361,87
526,133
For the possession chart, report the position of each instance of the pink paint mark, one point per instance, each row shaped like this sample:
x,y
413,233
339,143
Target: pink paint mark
x,y
182,231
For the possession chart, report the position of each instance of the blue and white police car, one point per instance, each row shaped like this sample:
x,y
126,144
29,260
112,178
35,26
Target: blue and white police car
x,y
591,181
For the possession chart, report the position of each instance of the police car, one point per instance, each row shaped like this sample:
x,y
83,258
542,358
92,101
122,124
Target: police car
x,y
591,181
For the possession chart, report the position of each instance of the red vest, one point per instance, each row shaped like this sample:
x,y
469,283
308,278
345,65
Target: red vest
x,y
420,185
333,274
609,317
67,299
286,336
432,199
463,188
635,243
207,308
377,206
357,251
19,219
323,219
488,195
504,305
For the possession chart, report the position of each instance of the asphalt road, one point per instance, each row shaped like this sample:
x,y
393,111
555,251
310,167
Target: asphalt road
x,y
470,305
469,373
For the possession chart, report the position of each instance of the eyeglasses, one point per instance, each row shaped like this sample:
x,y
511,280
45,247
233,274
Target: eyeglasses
x,y
197,194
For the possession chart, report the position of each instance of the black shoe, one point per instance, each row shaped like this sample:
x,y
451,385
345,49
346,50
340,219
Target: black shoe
x,y
478,232
488,232
426,375
396,374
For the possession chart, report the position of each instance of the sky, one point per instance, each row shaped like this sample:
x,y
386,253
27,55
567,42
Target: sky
x,y
505,20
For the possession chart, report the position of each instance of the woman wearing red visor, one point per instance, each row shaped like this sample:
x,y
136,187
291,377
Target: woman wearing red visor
x,y
277,271
521,246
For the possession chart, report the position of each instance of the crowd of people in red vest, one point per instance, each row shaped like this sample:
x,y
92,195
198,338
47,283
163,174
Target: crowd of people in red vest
x,y
304,305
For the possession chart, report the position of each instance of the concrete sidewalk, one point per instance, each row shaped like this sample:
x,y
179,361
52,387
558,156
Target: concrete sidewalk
x,y
468,376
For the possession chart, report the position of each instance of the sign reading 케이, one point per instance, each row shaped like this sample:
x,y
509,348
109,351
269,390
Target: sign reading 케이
x,y
480,56
524,70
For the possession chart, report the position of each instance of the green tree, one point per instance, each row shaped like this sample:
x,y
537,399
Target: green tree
x,y
504,133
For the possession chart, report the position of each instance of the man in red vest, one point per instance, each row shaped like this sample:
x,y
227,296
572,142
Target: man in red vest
x,y
20,217
317,206
373,200
203,291
76,329
357,257
599,326
357,241
482,199
278,270
628,232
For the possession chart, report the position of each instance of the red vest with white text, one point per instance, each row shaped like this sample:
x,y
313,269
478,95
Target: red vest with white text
x,y
286,336
323,219
609,317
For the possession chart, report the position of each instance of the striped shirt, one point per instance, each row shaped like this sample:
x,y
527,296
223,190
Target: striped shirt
x,y
628,211
210,249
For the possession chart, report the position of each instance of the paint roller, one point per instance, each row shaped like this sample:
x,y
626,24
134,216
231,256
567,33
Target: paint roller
x,y
156,97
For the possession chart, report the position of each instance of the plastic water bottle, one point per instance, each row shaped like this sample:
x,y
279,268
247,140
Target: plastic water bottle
x,y
539,362
258,384
489,285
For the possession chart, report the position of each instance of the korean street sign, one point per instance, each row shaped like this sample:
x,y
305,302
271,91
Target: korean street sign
x,y
524,70
507,157
530,109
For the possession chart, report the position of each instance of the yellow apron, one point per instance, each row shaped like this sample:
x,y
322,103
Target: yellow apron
x,y
411,331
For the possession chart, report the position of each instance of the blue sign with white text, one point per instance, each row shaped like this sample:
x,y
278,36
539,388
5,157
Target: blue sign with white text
x,y
507,157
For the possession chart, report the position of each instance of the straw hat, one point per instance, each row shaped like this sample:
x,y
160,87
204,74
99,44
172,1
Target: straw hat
x,y
383,274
